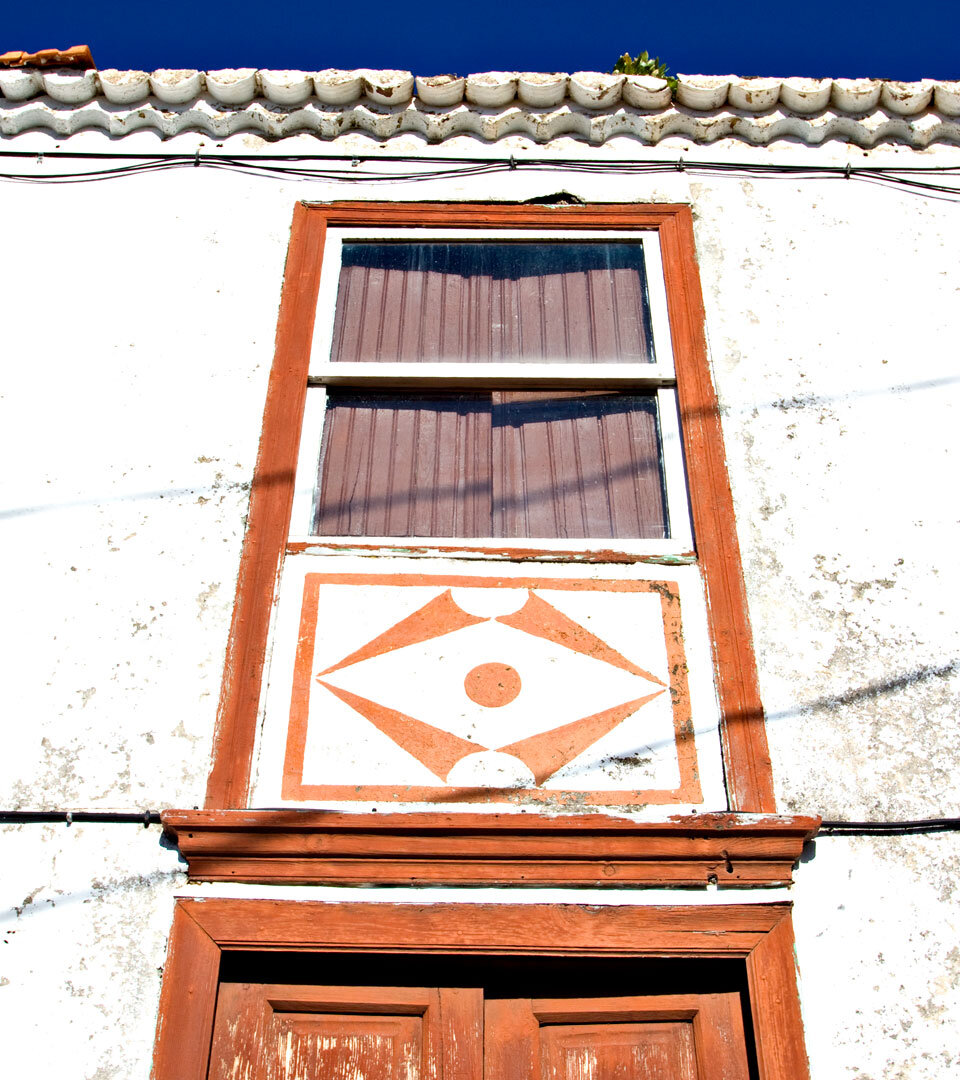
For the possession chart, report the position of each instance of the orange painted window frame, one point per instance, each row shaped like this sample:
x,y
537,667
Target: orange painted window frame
x,y
759,934
745,752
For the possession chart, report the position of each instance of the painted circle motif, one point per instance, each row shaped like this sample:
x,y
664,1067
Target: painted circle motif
x,y
492,685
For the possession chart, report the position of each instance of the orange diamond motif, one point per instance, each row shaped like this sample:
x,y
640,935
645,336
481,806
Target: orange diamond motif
x,y
462,686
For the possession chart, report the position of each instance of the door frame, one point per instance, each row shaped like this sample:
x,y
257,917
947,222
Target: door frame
x,y
203,929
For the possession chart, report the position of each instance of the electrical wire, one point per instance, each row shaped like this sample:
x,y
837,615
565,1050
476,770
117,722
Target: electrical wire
x,y
888,828
152,817
68,817
356,169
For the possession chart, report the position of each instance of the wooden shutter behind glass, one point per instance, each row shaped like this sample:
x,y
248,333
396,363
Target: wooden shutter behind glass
x,y
501,464
402,465
492,302
577,465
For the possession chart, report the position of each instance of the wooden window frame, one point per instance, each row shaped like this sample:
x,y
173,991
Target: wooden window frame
x,y
655,378
674,548
744,745
759,934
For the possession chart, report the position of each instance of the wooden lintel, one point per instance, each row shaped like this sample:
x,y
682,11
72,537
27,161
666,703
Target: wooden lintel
x,y
320,847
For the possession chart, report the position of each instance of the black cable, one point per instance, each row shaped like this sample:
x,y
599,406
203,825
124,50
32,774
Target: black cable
x,y
310,167
152,817
888,828
204,157
115,817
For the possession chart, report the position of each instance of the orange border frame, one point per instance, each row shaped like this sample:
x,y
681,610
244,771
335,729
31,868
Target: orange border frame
x,y
760,934
746,757
294,788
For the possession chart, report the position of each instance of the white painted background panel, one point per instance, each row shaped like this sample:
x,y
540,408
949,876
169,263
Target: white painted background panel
x,y
425,680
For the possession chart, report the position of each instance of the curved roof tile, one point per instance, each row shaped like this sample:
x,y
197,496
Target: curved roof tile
x,y
489,105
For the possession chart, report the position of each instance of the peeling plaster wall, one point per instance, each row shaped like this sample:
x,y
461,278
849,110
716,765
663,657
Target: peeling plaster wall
x,y
140,316
877,927
832,315
139,336
84,917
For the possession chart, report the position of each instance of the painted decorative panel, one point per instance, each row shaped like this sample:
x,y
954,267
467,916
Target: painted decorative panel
x,y
466,687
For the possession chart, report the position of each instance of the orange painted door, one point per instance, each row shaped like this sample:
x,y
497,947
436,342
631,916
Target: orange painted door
x,y
674,1037
293,1032
290,1032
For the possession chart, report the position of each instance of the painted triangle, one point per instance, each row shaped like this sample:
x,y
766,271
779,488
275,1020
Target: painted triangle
x,y
437,617
548,752
433,747
543,620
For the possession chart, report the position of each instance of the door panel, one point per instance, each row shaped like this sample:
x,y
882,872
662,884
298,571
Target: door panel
x,y
281,1032
670,1037
309,1045
618,1051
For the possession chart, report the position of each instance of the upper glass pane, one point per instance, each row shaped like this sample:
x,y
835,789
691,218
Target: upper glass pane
x,y
479,302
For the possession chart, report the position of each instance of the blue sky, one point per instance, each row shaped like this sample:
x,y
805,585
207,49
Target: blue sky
x,y
882,38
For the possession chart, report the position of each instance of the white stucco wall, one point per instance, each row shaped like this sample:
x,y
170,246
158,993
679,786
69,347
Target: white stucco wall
x,y
138,336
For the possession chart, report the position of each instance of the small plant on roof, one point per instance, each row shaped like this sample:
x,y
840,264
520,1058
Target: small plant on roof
x,y
644,64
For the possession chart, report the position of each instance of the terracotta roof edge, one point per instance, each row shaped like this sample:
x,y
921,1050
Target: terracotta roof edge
x,y
77,56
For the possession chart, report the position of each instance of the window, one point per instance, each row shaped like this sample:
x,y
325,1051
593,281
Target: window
x,y
531,390
468,389
492,403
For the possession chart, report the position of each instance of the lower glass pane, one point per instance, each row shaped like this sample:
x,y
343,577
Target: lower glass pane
x,y
501,464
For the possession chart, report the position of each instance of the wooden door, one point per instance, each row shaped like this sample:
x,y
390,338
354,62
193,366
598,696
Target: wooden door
x,y
672,1037
292,1032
